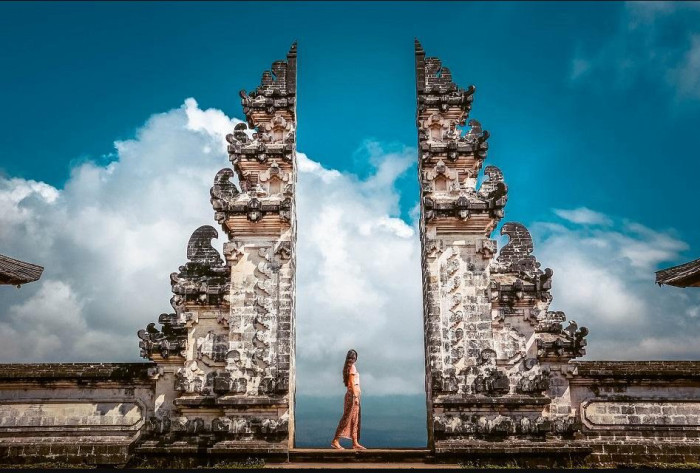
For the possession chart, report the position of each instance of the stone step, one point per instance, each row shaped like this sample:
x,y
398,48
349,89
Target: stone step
x,y
363,466
371,455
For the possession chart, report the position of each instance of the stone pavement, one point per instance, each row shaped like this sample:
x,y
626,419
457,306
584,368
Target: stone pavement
x,y
364,465
374,458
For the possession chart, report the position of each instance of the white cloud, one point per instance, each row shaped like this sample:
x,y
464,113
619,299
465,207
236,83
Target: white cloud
x,y
687,74
583,215
604,279
359,283
658,41
110,238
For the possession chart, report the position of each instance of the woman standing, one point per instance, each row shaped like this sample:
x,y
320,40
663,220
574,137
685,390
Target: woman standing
x,y
349,425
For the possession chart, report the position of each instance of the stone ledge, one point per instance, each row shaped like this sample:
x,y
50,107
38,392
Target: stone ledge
x,y
153,447
500,448
195,401
506,401
77,450
229,446
637,369
40,372
251,401
376,455
230,401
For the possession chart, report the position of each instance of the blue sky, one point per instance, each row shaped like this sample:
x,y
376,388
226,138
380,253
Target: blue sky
x,y
113,125
77,76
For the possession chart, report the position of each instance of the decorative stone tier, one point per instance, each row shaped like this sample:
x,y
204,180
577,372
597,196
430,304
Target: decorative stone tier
x,y
85,372
671,371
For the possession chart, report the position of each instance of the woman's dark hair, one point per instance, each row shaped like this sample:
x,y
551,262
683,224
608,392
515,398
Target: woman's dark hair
x,y
350,358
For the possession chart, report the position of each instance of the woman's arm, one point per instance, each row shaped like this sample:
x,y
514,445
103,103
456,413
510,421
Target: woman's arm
x,y
354,388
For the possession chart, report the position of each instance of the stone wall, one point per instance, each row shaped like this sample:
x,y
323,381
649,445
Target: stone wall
x,y
73,413
638,412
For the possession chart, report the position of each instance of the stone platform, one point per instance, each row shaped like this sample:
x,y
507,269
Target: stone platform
x,y
371,455
522,454
503,454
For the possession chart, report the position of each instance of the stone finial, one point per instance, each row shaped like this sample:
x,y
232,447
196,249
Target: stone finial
x,y
435,87
224,191
199,248
205,278
516,255
276,92
171,340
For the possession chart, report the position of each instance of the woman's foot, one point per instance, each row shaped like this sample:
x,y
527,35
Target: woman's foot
x,y
335,444
357,446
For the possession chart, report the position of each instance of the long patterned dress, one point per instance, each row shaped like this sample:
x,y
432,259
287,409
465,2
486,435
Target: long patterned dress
x,y
349,425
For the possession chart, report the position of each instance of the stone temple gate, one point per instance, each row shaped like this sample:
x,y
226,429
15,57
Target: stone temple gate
x,y
225,357
490,339
501,380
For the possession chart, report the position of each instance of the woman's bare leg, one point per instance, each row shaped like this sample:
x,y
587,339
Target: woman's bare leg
x,y
356,445
336,444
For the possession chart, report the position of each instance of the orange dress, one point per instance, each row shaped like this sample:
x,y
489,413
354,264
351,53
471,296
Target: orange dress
x,y
349,425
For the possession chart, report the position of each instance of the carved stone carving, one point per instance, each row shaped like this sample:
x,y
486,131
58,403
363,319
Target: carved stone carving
x,y
224,191
535,382
251,427
491,382
233,326
191,379
213,347
171,340
204,279
516,255
521,281
185,425
565,345
489,426
490,338
155,341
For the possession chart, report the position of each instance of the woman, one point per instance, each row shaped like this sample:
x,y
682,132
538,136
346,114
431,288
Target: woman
x,y
349,425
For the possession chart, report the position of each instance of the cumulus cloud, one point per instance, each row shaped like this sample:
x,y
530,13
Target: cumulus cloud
x,y
658,41
359,279
108,240
112,235
604,279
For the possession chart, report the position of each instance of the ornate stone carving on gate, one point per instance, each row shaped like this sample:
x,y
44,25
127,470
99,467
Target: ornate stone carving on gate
x,y
225,356
492,345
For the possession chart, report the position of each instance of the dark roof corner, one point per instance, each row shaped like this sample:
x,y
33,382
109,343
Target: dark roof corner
x,y
683,275
16,272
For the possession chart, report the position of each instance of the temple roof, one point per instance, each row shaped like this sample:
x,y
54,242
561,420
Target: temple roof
x,y
684,275
17,272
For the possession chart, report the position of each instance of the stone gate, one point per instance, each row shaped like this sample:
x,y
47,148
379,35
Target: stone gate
x,y
501,380
225,356
490,339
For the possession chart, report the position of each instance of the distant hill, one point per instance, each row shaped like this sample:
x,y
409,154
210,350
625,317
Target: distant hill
x,y
387,421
